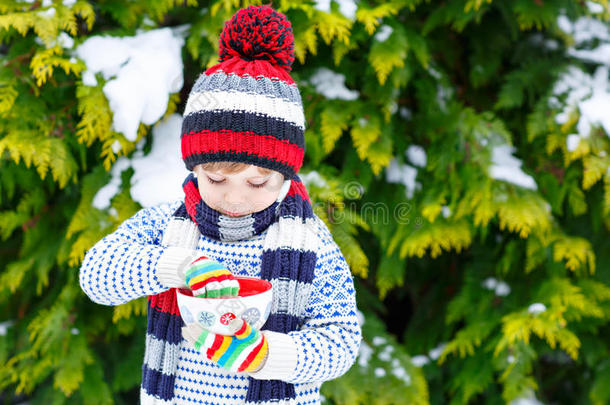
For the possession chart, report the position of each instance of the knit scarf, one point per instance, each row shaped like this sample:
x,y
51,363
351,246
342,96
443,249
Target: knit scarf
x,y
288,260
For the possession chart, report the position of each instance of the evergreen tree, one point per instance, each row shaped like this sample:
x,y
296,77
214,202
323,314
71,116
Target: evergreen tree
x,y
457,150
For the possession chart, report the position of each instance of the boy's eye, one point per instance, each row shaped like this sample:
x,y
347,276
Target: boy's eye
x,y
250,184
257,185
214,181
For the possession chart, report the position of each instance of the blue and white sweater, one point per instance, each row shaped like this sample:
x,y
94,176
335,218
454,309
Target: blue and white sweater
x,y
125,264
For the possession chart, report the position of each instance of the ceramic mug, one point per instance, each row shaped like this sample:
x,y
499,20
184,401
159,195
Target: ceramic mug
x,y
253,304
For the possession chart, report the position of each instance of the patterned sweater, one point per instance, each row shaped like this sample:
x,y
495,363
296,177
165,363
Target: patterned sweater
x,y
124,265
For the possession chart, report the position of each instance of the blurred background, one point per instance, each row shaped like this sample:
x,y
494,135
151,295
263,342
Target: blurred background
x,y
457,150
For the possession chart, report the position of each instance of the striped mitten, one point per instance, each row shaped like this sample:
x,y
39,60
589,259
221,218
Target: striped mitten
x,y
208,278
245,351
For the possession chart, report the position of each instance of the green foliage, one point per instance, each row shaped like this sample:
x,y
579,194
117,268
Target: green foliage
x,y
495,289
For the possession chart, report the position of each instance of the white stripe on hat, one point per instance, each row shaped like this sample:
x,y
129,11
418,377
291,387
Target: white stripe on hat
x,y
259,104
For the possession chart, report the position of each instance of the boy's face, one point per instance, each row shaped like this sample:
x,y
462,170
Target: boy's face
x,y
238,194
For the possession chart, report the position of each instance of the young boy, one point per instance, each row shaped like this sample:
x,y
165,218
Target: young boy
x,y
246,208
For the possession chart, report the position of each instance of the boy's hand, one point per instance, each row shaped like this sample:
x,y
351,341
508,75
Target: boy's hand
x,y
245,351
208,278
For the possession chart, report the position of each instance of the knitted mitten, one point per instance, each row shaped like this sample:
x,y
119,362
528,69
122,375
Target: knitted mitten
x,y
208,278
245,351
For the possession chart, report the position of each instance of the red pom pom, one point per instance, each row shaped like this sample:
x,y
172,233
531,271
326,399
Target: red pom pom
x,y
258,33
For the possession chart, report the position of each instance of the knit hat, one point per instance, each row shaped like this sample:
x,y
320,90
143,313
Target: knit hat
x,y
247,108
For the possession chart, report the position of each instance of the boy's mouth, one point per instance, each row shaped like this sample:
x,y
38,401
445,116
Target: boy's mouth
x,y
232,214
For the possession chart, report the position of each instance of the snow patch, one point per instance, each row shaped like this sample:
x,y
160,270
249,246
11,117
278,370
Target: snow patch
x,y
386,353
595,8
436,352
332,85
384,33
416,155
157,176
500,288
313,177
379,340
140,72
4,327
420,360
527,399
346,7
576,90
508,168
403,174
364,354
65,41
536,308
405,113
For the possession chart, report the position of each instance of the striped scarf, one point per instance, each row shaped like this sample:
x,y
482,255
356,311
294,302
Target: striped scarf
x,y
288,260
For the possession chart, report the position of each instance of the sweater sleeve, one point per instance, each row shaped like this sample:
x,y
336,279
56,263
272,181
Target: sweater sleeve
x,y
327,344
124,265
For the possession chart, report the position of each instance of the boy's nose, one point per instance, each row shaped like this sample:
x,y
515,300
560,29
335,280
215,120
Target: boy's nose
x,y
234,199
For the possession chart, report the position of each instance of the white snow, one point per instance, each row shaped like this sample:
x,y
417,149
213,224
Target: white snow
x,y
490,283
446,211
572,142
600,55
332,85
383,33
403,174
74,331
346,7
65,40
527,399
417,155
510,359
578,91
104,195
379,340
48,13
386,353
508,168
140,72
379,372
436,352
536,308
364,354
420,360
405,113
595,8
500,288
585,29
4,327
157,176
400,372
313,177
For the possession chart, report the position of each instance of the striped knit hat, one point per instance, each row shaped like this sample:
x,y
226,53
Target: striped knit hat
x,y
247,108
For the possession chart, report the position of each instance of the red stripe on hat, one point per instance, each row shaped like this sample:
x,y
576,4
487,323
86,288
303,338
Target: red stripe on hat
x,y
264,146
254,68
